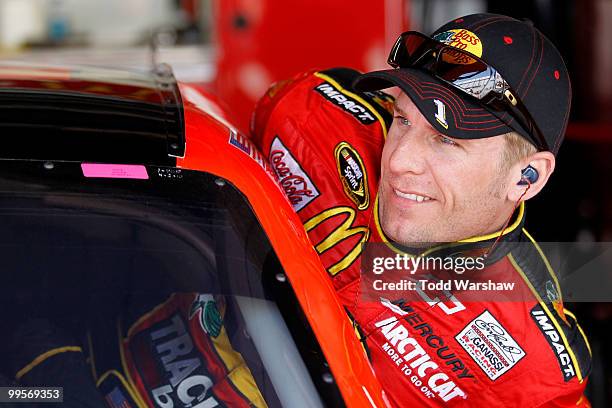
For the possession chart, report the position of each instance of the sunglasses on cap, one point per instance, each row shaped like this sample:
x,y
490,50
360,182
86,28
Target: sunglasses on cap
x,y
466,72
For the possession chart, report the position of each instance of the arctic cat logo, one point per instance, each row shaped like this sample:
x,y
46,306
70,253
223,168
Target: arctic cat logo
x,y
555,342
352,174
189,383
347,103
415,363
426,332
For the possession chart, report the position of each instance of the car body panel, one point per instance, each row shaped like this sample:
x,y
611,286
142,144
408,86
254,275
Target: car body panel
x,y
207,142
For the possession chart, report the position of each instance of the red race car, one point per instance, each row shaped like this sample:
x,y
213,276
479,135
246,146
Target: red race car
x,y
150,259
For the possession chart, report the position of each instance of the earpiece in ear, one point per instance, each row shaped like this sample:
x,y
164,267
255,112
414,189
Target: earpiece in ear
x,y
529,175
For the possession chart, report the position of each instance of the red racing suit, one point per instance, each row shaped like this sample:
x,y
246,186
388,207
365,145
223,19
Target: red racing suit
x,y
440,347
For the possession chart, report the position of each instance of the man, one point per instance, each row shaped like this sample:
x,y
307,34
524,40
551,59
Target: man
x,y
482,111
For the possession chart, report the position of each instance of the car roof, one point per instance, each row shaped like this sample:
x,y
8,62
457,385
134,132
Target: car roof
x,y
90,114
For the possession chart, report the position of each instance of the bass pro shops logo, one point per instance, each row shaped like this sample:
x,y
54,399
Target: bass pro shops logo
x,y
352,174
463,40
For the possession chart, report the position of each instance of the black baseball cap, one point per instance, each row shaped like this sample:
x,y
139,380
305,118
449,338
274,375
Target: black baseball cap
x,y
524,57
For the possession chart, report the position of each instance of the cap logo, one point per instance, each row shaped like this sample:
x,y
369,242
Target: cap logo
x,y
462,39
441,113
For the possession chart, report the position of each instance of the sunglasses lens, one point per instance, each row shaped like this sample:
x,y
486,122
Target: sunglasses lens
x,y
406,49
471,76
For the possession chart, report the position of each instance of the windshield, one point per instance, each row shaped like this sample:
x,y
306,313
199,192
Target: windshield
x,y
149,286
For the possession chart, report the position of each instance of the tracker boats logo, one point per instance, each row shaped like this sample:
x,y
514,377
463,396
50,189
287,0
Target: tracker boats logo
x,y
490,345
352,174
299,189
185,381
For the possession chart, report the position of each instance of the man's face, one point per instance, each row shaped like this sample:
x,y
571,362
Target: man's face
x,y
436,189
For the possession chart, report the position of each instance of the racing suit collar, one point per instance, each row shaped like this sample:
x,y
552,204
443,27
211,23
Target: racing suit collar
x,y
471,246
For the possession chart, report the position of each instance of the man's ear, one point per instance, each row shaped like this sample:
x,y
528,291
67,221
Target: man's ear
x,y
544,163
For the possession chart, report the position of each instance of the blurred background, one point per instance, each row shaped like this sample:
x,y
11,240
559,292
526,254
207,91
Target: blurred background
x,y
237,48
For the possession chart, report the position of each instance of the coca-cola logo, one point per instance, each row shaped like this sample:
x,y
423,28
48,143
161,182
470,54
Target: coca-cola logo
x,y
295,186
293,179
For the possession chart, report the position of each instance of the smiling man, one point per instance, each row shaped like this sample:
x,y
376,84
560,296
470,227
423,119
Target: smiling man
x,y
481,113
444,169
435,188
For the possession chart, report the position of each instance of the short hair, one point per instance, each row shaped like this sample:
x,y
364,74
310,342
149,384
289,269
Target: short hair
x,y
517,148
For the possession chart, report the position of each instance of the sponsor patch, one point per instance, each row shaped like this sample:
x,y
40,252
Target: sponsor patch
x,y
352,174
490,345
406,354
298,187
348,104
461,39
243,143
432,340
179,367
542,320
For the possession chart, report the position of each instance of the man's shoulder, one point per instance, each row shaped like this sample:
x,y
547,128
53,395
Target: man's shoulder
x,y
323,140
330,90
556,324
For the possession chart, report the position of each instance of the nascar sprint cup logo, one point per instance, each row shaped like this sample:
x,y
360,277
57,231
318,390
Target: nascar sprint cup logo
x,y
353,175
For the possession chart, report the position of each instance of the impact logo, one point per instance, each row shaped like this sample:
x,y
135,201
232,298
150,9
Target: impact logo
x,y
298,187
463,40
490,345
332,94
555,341
352,174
